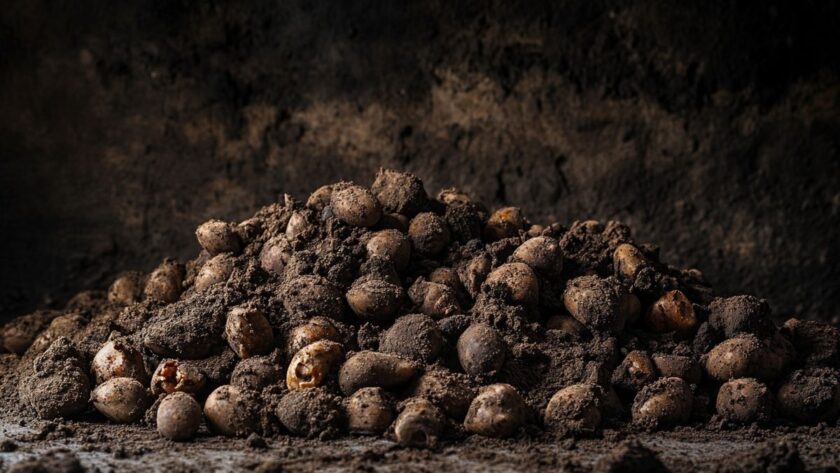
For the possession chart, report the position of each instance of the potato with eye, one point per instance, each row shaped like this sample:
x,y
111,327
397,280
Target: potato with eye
x,y
672,312
248,332
420,424
636,371
177,376
216,236
498,411
504,223
355,205
118,359
311,366
744,400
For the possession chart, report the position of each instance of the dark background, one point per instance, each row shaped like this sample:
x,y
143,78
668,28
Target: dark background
x,y
712,129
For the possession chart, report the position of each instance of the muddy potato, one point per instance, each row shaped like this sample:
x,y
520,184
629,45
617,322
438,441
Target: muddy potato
x,y
311,413
320,198
504,223
178,417
635,371
433,299
58,385
567,325
816,343
448,277
415,337
497,411
420,424
481,350
214,271
165,283
311,366
232,411
628,261
118,359
248,332
665,403
744,356
678,366
275,254
741,314
355,205
177,376
257,372
374,369
577,408
392,245
19,334
744,400
454,197
474,273
672,312
542,254
452,392
127,289
122,400
399,192
216,236
298,225
429,234
313,330
369,411
313,296
810,395
594,302
59,327
374,300
519,280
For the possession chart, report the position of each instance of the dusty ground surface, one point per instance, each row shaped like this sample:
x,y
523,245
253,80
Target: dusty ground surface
x,y
687,449
712,128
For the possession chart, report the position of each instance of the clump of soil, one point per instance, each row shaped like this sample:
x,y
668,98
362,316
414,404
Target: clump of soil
x,y
433,302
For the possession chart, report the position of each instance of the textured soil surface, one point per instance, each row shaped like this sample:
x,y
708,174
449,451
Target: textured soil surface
x,y
72,447
712,127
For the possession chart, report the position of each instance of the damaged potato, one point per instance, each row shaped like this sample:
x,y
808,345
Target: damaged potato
x,y
313,363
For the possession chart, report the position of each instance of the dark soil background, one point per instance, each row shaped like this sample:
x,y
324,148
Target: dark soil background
x,y
712,129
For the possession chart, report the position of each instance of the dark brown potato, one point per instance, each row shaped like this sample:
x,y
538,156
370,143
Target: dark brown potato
x,y
127,289
355,205
678,366
542,254
519,280
58,386
315,329
311,413
636,371
374,300
672,312
664,403
313,296
399,192
257,372
415,336
122,400
434,299
298,226
232,411
504,223
577,408
369,411
275,254
311,366
474,273
567,325
216,236
744,356
741,314
744,400
59,327
214,271
19,334
165,283
481,350
497,411
177,376
420,424
628,261
248,332
429,234
118,359
448,277
811,395
178,417
392,245
816,343
320,198
452,392
594,302
373,369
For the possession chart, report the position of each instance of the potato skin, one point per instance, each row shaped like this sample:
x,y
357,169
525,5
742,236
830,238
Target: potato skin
x,y
178,417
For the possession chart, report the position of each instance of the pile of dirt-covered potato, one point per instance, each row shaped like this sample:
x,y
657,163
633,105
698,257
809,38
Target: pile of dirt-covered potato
x,y
382,311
